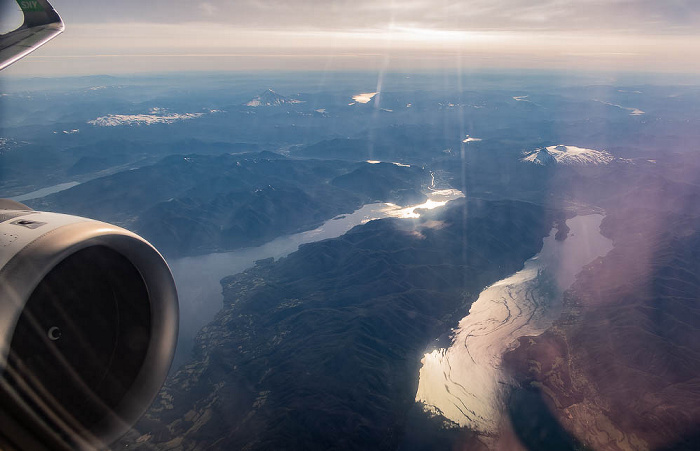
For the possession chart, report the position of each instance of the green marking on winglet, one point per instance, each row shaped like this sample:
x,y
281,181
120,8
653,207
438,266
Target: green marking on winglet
x,y
30,5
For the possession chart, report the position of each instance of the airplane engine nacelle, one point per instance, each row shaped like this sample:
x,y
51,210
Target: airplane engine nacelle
x,y
88,327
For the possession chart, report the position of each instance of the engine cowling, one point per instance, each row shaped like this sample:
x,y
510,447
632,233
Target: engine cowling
x,y
88,328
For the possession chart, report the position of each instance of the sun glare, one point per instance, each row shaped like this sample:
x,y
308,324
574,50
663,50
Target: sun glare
x,y
364,97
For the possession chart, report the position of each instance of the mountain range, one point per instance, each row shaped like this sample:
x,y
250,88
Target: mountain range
x,y
194,204
321,349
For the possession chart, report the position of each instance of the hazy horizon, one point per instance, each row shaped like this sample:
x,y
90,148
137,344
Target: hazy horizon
x,y
130,37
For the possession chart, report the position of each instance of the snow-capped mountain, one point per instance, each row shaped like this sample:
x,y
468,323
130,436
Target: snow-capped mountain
x,y
271,98
568,155
156,117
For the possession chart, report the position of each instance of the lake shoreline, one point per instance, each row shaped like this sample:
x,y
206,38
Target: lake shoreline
x,y
198,277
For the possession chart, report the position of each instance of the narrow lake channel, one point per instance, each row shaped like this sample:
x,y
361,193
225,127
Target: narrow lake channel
x,y
197,278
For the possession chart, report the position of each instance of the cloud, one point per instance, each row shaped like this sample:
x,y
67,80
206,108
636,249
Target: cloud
x,y
649,16
164,35
141,47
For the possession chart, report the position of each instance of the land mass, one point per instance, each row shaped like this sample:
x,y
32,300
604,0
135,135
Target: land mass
x,y
322,349
196,204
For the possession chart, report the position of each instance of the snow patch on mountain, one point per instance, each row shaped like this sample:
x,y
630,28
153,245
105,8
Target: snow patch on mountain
x,y
155,116
392,162
568,155
633,111
7,145
542,157
271,98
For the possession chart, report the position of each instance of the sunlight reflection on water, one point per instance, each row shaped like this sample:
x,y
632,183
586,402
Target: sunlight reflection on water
x,y
197,278
364,97
464,382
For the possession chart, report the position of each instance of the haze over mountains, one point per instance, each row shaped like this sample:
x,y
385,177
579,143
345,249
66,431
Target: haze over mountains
x,y
322,349
197,204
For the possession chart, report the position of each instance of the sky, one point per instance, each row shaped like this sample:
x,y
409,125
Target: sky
x,y
129,36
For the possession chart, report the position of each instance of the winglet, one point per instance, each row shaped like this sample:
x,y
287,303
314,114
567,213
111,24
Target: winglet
x,y
41,24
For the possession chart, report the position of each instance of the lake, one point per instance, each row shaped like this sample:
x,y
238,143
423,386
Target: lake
x,y
197,278
464,382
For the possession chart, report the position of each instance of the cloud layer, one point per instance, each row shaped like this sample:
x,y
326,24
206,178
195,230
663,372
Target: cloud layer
x,y
165,35
667,16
